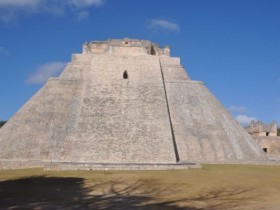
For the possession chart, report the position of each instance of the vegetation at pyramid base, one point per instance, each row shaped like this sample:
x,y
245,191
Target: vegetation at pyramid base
x,y
2,123
278,132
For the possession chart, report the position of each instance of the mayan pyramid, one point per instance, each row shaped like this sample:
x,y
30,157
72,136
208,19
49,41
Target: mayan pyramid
x,y
123,103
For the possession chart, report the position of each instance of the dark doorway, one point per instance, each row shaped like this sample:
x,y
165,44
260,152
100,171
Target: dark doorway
x,y
153,52
125,75
267,133
265,150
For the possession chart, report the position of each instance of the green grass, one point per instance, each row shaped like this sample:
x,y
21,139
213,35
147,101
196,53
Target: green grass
x,y
211,187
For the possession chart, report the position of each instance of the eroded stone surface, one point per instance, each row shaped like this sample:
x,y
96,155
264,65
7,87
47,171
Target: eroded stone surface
x,y
94,114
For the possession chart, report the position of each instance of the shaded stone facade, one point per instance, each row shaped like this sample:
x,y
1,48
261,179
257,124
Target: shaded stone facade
x,y
265,136
258,128
123,104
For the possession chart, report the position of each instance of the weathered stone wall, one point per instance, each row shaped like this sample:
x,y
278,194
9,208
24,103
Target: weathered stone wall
x,y
204,131
91,115
38,128
258,128
132,47
269,143
119,116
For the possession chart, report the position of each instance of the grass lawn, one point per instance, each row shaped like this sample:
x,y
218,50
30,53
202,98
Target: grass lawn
x,y
211,187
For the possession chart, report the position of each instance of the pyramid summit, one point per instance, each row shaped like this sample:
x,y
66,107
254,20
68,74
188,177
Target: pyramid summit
x,y
123,103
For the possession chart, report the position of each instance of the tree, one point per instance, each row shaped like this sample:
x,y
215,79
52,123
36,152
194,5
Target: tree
x,y
2,123
278,132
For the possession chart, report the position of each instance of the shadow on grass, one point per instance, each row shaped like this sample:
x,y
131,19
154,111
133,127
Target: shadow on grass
x,y
41,192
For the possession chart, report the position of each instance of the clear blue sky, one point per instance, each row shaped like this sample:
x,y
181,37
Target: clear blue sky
x,y
233,46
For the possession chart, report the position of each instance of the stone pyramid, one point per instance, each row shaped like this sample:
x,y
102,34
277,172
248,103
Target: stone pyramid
x,y
123,103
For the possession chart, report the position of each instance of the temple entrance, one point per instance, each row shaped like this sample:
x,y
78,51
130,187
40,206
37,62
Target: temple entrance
x,y
153,52
125,75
